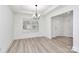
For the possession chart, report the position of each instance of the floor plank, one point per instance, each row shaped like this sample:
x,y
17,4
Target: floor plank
x,y
42,45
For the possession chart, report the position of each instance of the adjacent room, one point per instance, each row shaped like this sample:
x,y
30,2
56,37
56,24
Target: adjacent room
x,y
39,28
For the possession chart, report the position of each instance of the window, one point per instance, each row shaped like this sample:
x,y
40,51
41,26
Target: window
x,y
30,25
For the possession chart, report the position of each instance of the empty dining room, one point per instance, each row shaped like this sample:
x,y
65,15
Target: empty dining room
x,y
39,28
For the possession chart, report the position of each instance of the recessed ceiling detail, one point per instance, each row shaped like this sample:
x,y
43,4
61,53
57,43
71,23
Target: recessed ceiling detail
x,y
30,9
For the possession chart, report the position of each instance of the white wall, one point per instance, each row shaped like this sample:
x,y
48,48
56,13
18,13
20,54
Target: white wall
x,y
68,25
20,33
57,11
62,25
76,29
57,26
6,27
48,27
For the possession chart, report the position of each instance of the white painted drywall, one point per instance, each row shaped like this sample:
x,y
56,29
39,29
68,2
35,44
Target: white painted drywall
x,y
76,29
68,25
6,27
57,26
48,27
57,11
62,25
20,33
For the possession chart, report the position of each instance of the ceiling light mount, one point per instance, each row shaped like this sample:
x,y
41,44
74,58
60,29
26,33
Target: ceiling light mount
x,y
36,5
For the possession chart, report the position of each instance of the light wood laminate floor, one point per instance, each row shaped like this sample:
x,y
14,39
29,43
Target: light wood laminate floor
x,y
42,45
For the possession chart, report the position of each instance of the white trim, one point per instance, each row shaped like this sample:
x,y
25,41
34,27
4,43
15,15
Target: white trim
x,y
75,49
10,43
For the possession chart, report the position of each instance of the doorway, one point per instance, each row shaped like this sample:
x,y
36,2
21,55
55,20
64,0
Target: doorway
x,y
62,28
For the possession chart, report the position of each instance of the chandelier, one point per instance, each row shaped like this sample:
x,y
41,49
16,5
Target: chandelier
x,y
36,16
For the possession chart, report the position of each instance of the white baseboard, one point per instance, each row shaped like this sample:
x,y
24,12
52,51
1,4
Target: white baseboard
x,y
75,49
9,46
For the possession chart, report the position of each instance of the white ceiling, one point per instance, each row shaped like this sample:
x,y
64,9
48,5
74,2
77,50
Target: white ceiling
x,y
30,9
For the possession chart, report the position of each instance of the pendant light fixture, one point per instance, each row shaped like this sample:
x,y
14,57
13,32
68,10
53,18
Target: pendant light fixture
x,y
36,16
